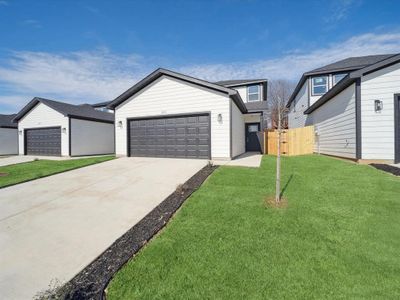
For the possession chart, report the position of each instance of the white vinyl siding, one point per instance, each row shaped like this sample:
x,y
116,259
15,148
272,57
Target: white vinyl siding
x,y
43,116
238,132
377,128
8,141
296,115
335,122
90,138
169,96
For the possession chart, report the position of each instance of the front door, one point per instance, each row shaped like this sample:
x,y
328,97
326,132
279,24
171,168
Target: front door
x,y
252,140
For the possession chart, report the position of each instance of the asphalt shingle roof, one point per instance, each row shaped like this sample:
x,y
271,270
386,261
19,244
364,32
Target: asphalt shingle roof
x,y
351,63
83,110
6,121
238,81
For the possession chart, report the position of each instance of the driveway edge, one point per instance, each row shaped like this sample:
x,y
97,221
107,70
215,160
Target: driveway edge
x,y
92,281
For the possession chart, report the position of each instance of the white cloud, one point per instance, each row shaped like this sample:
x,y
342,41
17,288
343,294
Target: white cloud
x,y
292,65
101,75
32,23
340,9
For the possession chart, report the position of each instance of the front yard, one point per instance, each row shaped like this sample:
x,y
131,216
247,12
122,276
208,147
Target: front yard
x,y
13,174
339,237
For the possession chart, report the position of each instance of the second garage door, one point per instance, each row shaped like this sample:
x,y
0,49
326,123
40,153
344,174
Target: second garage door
x,y
179,136
43,141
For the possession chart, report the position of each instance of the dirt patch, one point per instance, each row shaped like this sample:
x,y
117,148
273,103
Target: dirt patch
x,y
270,202
91,282
3,174
387,168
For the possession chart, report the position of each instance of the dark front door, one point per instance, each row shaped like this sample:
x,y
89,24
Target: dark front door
x,y
43,141
252,140
186,136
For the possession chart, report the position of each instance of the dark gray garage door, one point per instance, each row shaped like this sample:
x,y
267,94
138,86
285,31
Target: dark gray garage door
x,y
180,137
43,141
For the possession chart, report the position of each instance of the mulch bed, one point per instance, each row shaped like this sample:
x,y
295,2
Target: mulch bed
x,y
91,282
387,168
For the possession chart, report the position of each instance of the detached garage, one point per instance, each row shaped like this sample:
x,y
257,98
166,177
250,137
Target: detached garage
x,y
53,128
168,114
8,135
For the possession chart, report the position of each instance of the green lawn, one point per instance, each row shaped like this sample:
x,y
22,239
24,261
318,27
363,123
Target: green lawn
x,y
339,238
41,168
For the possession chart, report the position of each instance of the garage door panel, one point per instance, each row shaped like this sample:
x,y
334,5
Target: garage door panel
x,y
183,137
43,141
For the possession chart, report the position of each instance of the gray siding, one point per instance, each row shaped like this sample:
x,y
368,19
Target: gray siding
x,y
90,138
296,115
335,123
8,141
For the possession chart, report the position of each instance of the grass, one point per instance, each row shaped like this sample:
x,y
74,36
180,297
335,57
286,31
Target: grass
x,y
338,238
41,168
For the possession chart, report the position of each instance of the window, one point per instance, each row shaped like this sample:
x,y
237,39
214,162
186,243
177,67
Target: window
x,y
253,93
253,128
319,85
338,77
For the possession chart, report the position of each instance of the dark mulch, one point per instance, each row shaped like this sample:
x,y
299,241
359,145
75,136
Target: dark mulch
x,y
91,282
387,168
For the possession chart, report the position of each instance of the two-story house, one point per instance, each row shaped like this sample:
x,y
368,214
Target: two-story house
x,y
169,114
354,106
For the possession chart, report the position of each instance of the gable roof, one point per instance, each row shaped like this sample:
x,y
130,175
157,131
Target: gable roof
x,y
233,94
351,78
351,63
348,64
6,121
85,111
238,82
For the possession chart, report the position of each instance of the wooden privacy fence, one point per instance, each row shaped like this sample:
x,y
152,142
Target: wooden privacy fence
x,y
295,141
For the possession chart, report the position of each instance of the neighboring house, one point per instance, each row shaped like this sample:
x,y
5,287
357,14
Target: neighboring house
x,y
102,106
8,135
354,107
47,127
168,114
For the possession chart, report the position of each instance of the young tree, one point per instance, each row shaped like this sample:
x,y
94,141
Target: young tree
x,y
279,94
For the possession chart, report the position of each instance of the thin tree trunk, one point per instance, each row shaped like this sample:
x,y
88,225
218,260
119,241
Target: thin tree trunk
x,y
278,163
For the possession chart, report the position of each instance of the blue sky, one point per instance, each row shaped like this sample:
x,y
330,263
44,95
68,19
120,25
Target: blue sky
x,y
89,51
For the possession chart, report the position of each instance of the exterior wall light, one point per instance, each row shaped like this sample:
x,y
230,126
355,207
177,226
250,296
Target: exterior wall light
x,y
64,130
219,118
378,105
20,132
120,124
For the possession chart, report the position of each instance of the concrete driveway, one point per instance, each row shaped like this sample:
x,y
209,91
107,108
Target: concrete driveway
x,y
52,228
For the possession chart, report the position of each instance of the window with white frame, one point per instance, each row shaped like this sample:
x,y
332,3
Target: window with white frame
x,y
337,77
319,85
253,93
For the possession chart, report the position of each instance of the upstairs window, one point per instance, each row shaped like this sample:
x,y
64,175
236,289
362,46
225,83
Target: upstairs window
x,y
338,77
319,85
253,93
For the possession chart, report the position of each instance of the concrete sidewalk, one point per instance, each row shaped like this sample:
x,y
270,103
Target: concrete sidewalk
x,y
248,159
51,228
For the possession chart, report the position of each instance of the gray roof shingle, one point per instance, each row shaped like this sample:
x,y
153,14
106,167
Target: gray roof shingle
x,y
239,81
71,110
6,121
351,63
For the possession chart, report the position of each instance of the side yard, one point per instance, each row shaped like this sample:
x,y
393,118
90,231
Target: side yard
x,y
13,174
339,237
